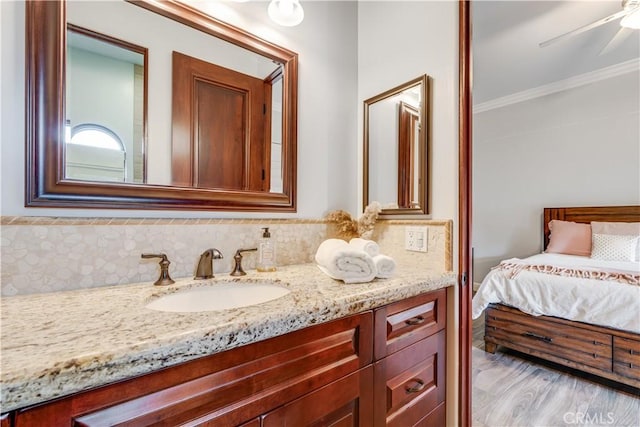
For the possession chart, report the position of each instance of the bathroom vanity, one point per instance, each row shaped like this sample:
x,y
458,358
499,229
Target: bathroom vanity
x,y
325,354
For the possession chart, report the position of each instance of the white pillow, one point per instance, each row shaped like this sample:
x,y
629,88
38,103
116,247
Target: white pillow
x,y
618,228
614,247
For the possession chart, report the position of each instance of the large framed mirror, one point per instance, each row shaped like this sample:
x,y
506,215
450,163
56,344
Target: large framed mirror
x,y
211,110
396,149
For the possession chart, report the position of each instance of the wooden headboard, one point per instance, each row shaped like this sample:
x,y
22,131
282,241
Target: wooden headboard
x,y
588,214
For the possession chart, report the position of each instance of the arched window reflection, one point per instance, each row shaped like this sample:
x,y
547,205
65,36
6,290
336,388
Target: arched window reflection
x,y
95,153
93,135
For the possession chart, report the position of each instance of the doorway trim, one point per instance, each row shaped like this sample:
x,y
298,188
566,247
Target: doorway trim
x,y
465,278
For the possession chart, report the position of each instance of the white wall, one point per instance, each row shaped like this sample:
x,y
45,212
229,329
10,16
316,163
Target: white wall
x,y
579,147
326,42
103,98
399,41
383,152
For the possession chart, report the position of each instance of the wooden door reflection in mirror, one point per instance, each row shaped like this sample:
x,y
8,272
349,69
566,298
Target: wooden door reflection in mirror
x,y
396,148
408,151
220,122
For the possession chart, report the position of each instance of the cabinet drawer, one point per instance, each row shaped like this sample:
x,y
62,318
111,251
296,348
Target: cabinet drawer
x,y
410,383
343,403
571,343
401,324
626,357
227,388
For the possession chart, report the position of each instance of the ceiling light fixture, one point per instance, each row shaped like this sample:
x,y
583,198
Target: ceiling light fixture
x,y
287,13
632,20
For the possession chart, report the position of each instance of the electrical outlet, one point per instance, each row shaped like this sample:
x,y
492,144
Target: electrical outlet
x,y
416,238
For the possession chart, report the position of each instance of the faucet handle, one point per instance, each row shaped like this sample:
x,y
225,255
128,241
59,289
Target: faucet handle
x,y
164,278
237,269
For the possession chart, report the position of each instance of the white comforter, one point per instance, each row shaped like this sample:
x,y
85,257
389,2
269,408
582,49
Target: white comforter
x,y
599,302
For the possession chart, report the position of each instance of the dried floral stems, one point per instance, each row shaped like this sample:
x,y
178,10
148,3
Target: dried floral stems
x,y
349,228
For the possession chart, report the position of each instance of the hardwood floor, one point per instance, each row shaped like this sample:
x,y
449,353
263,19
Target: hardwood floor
x,y
510,390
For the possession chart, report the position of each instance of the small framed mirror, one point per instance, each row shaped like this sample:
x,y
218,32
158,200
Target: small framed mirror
x,y
396,149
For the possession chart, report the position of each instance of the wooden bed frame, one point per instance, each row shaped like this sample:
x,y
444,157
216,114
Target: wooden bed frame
x,y
609,353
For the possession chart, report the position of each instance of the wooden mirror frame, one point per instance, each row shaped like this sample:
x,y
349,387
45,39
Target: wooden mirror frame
x,y
46,185
423,157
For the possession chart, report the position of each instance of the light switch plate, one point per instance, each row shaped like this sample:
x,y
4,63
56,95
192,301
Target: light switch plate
x,y
416,238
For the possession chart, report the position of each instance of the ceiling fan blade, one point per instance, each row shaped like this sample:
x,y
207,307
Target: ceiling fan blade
x,y
620,36
584,28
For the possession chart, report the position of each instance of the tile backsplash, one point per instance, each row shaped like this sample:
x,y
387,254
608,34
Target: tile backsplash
x,y
43,254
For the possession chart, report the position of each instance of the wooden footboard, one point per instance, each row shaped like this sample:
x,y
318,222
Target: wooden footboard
x,y
606,352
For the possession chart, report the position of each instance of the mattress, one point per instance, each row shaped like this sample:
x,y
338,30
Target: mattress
x,y
608,303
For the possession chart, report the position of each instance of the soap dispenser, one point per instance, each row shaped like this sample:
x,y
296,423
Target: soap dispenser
x,y
266,252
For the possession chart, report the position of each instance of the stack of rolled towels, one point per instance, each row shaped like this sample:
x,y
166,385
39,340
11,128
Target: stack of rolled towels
x,y
356,261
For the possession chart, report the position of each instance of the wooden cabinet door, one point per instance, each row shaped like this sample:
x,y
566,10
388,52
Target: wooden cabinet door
x,y
343,403
410,384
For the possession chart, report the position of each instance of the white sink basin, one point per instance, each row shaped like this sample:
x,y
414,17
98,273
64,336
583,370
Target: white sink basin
x,y
221,296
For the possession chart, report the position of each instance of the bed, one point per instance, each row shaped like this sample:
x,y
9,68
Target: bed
x,y
570,309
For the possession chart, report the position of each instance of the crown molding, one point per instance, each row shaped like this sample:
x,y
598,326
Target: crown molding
x,y
560,85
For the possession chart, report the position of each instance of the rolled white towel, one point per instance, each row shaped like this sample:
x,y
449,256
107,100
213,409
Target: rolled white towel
x,y
327,248
338,260
369,246
385,266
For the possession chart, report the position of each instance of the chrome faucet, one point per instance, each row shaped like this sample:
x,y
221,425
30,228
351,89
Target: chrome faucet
x,y
205,265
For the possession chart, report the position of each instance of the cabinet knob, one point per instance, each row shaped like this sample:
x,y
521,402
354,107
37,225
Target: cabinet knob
x,y
417,386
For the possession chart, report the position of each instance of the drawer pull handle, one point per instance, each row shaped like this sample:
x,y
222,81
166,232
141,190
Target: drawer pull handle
x,y
418,386
537,337
414,320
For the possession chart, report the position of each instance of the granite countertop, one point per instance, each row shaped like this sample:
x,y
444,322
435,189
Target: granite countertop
x,y
56,344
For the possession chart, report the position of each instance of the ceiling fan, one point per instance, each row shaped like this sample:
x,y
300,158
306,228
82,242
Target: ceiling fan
x,y
630,21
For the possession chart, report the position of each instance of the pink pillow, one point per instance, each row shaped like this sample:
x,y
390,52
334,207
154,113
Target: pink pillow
x,y
570,238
